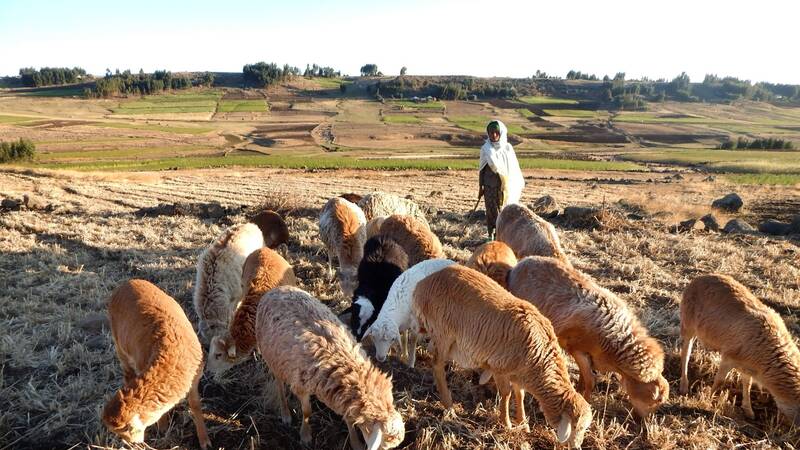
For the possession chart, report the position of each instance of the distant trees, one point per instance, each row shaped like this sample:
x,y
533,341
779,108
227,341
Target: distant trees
x,y
262,74
126,83
369,70
403,70
578,75
50,76
757,144
23,149
319,71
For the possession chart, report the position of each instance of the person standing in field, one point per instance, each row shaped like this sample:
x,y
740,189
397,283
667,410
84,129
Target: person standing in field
x,y
500,179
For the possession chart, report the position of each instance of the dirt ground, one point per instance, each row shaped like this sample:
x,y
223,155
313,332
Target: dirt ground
x,y
59,265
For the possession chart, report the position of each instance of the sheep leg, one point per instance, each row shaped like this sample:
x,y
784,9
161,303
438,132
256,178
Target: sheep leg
x,y
725,367
197,415
686,353
330,265
587,377
404,346
747,383
504,388
352,435
439,361
163,422
305,428
286,413
519,407
412,348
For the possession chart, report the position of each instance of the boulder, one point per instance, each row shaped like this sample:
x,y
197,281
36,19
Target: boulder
x,y
794,225
710,222
10,204
729,203
738,226
774,227
546,206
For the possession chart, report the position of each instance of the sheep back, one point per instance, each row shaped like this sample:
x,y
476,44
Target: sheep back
x,y
416,238
379,204
527,234
494,259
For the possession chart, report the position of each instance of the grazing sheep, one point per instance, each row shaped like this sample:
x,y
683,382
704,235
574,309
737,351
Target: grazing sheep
x,y
476,323
374,226
263,270
379,204
384,260
341,227
414,236
218,286
494,259
305,345
161,361
749,336
395,316
273,228
351,197
596,327
528,234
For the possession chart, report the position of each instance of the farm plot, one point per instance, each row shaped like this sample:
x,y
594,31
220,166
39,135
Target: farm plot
x,y
170,104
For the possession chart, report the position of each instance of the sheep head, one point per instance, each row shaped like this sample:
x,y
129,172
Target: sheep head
x,y
574,421
383,334
222,354
119,418
646,397
348,280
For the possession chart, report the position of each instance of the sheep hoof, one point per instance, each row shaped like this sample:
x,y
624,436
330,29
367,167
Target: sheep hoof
x,y
684,388
749,413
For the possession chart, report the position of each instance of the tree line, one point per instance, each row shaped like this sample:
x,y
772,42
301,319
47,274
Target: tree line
x,y
127,83
20,150
50,76
263,74
757,144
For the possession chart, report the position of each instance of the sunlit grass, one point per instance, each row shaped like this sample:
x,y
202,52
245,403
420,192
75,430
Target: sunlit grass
x,y
544,100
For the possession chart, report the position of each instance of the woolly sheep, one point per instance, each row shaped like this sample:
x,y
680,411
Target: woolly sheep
x,y
161,361
528,234
218,285
341,227
273,228
395,316
414,236
473,321
306,346
493,259
379,204
749,336
373,226
263,270
596,327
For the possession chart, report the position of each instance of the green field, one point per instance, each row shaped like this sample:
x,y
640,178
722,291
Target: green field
x,y
420,105
121,154
737,161
765,178
170,104
55,91
478,124
543,100
525,112
154,127
330,83
402,118
577,113
254,105
645,117
14,119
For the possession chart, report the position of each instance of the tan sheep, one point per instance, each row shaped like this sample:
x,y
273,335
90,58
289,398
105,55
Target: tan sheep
x,y
341,227
749,336
494,259
596,327
476,323
305,345
272,227
373,226
528,234
218,284
378,204
263,270
416,238
161,361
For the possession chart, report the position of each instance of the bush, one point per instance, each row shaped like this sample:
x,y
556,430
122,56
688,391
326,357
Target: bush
x,y
21,150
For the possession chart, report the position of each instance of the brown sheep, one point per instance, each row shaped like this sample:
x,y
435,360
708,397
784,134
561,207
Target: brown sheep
x,y
273,227
494,259
263,270
749,336
419,242
528,234
476,323
305,345
373,226
341,227
161,361
596,327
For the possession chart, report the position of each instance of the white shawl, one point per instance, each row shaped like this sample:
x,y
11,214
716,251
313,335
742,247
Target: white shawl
x,y
502,160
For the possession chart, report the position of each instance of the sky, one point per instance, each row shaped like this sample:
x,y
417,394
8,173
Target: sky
x,y
757,41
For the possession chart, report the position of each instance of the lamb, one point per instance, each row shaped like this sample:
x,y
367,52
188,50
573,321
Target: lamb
x,y
341,227
273,228
476,323
161,360
384,260
218,285
379,204
263,270
596,327
750,337
303,343
395,316
494,259
414,236
528,234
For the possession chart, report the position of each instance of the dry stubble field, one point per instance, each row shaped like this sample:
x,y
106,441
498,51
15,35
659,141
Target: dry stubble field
x,y
57,364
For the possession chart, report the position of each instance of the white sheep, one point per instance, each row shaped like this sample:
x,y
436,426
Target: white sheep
x,y
341,227
528,234
379,204
161,361
218,284
305,345
395,318
749,336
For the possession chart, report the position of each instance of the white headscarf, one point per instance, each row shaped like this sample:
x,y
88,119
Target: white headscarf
x,y
502,160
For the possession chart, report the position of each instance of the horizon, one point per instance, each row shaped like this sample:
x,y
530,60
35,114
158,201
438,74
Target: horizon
x,y
196,37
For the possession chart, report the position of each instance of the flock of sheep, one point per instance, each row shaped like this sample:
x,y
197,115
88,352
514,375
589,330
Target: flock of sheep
x,y
508,313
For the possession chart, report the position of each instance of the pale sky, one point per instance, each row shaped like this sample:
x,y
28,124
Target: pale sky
x,y
750,40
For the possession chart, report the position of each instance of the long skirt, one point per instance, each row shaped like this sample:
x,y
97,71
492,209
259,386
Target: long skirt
x,y
492,190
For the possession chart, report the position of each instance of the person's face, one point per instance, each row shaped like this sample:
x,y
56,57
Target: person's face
x,y
494,135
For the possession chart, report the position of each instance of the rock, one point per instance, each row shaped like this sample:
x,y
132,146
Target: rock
x,y
11,204
774,227
794,225
729,203
634,216
710,179
578,213
34,202
213,211
738,226
710,222
546,206
677,176
687,226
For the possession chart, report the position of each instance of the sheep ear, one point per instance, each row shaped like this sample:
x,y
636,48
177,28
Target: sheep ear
x,y
485,377
564,429
232,351
375,438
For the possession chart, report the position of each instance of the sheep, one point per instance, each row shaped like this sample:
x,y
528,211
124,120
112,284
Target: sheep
x,y
494,259
218,284
373,226
528,234
473,321
414,236
161,360
341,227
596,327
306,346
273,227
379,204
750,336
384,260
395,316
263,270
351,197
